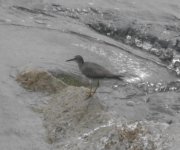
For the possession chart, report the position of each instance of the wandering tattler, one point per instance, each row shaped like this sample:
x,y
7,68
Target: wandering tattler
x,y
94,71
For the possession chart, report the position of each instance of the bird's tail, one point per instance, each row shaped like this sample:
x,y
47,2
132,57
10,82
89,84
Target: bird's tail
x,y
118,77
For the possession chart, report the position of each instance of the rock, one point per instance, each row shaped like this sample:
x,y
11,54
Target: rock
x,y
128,137
155,51
130,103
39,80
176,65
164,107
70,112
167,55
170,121
177,46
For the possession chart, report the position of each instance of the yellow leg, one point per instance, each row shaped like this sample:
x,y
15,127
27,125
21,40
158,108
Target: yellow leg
x,y
89,93
96,87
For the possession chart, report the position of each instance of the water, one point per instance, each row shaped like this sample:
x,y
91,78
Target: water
x,y
35,39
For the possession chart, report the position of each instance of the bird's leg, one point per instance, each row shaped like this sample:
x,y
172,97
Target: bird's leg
x,y
96,87
89,94
90,88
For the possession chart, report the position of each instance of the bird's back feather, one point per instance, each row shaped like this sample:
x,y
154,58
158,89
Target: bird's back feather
x,y
93,70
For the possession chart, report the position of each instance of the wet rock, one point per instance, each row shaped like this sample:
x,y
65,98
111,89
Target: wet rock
x,y
132,91
159,87
170,121
117,26
162,109
70,113
175,85
130,103
173,133
156,51
164,43
39,80
113,24
176,107
72,121
164,106
145,36
33,11
131,136
177,45
176,65
60,8
167,55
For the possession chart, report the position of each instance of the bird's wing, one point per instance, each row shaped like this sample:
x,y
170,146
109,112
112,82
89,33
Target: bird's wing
x,y
93,70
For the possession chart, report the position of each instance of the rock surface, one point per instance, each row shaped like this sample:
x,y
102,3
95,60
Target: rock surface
x,y
133,37
69,112
39,80
74,121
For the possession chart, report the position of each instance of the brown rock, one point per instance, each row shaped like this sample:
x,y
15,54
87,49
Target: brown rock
x,y
39,80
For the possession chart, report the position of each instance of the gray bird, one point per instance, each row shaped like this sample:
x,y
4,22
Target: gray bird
x,y
94,71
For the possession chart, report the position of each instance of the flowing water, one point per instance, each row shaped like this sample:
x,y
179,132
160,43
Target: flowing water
x,y
40,37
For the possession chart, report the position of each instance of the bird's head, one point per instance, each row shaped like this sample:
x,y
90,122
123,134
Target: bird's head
x,y
77,59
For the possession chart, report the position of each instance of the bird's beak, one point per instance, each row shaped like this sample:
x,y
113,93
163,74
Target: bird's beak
x,y
71,59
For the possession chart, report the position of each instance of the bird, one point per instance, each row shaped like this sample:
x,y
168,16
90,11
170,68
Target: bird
x,y
94,71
